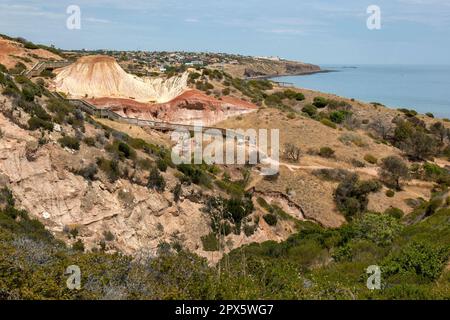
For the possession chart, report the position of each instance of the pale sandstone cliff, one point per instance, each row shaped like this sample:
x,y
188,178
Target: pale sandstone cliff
x,y
101,76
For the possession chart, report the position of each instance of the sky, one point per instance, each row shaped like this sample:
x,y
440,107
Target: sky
x,y
315,31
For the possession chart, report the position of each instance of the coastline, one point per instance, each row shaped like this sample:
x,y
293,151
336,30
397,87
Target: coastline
x,y
305,73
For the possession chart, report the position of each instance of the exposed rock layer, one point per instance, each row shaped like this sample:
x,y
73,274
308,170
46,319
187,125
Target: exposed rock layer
x,y
101,76
191,107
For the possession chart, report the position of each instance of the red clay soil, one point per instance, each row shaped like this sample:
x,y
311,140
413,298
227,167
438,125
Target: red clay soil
x,y
189,99
189,106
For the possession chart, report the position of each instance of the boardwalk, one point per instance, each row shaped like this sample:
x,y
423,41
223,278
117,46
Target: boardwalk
x,y
107,113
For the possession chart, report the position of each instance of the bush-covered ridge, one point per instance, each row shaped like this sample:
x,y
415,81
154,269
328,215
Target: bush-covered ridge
x,y
314,263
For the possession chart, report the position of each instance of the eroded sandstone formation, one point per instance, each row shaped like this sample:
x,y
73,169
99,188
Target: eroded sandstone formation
x,y
101,76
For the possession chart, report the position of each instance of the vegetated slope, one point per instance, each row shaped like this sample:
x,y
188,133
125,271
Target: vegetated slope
x,y
106,191
13,52
255,67
101,76
115,191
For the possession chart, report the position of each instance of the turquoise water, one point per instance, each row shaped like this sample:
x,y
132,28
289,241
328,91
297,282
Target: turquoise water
x,y
423,88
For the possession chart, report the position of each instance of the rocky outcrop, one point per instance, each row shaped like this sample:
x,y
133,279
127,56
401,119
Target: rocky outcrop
x,y
101,76
192,107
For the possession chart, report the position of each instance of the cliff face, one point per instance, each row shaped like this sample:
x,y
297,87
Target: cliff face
x,y
101,76
191,107
46,185
269,68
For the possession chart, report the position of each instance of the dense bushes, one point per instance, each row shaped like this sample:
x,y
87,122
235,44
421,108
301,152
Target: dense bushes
x,y
419,258
110,167
351,195
393,169
315,263
270,219
194,174
69,142
326,152
35,123
310,110
156,180
340,116
414,140
320,102
121,150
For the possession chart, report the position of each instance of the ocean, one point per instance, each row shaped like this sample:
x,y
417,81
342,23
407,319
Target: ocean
x,y
422,88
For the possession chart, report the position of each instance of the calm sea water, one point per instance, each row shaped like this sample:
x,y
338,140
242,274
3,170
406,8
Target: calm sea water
x,y
423,88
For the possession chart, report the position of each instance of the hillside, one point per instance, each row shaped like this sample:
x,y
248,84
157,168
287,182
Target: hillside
x,y
359,184
263,68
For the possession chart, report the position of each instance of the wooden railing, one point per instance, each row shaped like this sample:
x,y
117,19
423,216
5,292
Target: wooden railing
x,y
91,109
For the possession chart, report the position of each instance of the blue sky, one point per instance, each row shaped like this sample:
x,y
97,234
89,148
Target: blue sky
x,y
317,31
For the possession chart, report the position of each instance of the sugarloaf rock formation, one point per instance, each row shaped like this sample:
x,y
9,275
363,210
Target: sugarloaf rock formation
x,y
101,76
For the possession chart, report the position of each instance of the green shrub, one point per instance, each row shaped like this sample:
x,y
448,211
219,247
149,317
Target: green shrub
x,y
194,174
378,228
270,219
390,193
420,258
320,102
328,123
210,242
249,230
177,191
156,180
121,149
310,110
293,95
339,116
370,159
392,170
108,235
429,114
161,164
35,123
110,167
351,195
69,142
408,113
18,68
326,152
395,212
78,246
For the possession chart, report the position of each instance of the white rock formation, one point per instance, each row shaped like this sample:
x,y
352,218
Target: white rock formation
x,y
102,76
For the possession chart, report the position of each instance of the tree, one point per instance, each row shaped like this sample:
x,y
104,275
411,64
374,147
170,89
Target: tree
x,y
177,192
156,180
292,152
413,140
439,130
382,128
392,170
351,195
